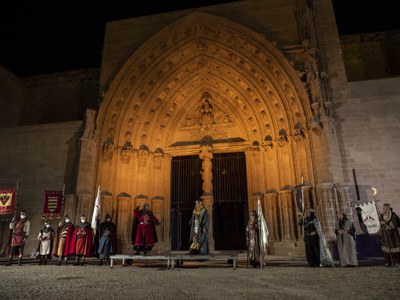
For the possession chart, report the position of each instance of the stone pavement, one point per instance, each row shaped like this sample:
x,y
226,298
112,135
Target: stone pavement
x,y
279,279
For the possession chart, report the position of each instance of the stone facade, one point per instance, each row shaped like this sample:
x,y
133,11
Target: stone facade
x,y
35,159
252,76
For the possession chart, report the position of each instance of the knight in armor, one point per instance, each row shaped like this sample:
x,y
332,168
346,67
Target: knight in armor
x,y
81,242
65,231
199,226
19,227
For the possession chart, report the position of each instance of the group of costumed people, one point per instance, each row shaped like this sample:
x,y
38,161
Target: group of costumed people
x,y
78,240
70,240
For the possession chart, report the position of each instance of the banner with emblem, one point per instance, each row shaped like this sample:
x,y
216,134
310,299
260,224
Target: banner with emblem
x,y
370,216
7,200
52,204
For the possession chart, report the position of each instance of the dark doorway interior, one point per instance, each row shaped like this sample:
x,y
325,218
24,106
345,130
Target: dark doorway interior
x,y
230,201
186,188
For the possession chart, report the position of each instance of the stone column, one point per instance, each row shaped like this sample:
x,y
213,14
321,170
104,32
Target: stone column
x,y
326,209
272,215
208,204
124,231
206,155
345,201
287,215
157,206
106,207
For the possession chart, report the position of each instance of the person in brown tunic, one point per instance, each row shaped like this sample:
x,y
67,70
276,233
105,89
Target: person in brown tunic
x,y
390,239
19,227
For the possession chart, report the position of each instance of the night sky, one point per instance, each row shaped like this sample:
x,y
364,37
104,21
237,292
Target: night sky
x,y
39,37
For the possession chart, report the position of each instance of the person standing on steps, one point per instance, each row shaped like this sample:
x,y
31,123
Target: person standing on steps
x,y
63,241
346,236
144,234
81,243
107,234
19,227
199,225
46,237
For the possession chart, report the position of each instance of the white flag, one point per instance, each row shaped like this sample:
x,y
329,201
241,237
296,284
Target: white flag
x,y
96,210
370,216
263,228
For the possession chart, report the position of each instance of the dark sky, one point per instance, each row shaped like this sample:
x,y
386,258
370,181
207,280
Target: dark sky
x,y
39,37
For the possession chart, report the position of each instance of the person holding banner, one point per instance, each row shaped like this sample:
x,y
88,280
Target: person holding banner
x,y
346,235
20,230
252,240
317,252
390,236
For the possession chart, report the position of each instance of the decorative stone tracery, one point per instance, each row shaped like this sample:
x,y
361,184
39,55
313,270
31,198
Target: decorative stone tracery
x,y
200,86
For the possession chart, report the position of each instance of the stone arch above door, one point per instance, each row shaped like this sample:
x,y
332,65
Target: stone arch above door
x,y
203,80
157,95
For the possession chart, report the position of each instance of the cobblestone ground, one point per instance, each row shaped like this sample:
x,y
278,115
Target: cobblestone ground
x,y
285,280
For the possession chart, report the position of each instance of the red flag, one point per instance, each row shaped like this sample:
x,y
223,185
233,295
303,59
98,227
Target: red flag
x,y
7,201
52,203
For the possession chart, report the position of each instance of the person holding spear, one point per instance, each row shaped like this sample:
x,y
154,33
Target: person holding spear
x,y
390,236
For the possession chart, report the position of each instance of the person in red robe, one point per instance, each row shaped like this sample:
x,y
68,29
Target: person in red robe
x,y
81,242
144,234
63,240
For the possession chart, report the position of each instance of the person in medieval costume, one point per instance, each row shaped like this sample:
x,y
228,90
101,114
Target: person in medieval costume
x,y
253,240
144,234
46,238
390,239
317,252
19,227
65,231
107,234
346,245
199,226
81,242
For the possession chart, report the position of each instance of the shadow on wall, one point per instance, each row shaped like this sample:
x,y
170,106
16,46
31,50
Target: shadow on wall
x,y
367,246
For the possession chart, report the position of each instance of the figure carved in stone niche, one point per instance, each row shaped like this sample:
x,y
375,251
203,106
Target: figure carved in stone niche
x,y
206,155
207,115
128,141
313,77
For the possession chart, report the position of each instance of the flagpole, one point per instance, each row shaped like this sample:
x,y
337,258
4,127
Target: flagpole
x,y
63,200
16,197
259,231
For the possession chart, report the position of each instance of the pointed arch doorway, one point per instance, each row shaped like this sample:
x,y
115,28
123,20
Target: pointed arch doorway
x,y
230,199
